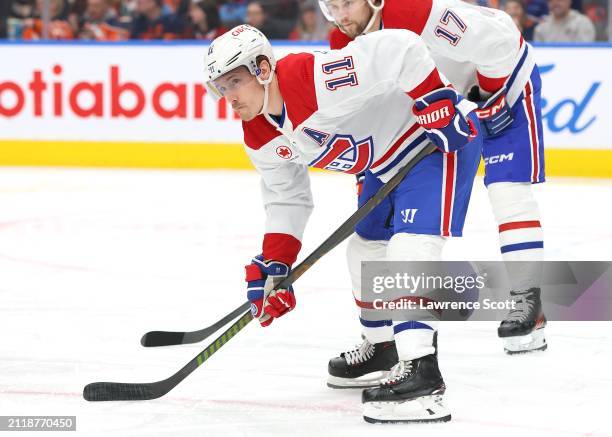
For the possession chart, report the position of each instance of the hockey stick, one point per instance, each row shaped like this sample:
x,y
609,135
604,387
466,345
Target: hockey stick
x,y
169,338
117,391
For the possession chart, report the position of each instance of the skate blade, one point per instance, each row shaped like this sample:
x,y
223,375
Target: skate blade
x,y
525,343
420,410
373,379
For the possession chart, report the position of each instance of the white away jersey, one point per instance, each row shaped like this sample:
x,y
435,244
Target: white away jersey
x,y
469,44
346,110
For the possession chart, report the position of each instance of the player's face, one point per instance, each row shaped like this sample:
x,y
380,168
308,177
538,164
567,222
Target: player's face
x,y
351,15
241,90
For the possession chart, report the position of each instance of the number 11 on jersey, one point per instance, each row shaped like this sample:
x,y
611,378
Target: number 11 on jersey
x,y
349,79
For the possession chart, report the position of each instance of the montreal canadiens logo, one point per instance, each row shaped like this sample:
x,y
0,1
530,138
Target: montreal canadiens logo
x,y
284,152
344,153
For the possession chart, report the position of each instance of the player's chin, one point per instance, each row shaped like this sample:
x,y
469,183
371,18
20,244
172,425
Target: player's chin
x,y
245,114
352,30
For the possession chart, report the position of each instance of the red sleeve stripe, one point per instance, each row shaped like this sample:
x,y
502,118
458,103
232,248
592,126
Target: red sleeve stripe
x,y
490,84
519,225
431,82
281,247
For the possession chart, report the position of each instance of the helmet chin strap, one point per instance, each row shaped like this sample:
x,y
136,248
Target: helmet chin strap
x,y
266,85
375,14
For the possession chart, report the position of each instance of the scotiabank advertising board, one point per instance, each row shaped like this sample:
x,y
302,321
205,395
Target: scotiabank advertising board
x,y
155,92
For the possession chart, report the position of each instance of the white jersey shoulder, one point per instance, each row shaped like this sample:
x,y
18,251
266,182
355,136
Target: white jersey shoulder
x,y
364,95
465,32
362,119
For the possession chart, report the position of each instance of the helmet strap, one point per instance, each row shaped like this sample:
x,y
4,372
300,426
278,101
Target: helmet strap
x,y
376,10
266,85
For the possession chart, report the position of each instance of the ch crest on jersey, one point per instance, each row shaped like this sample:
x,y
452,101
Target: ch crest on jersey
x,y
343,153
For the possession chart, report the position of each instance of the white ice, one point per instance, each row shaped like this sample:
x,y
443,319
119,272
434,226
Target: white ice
x,y
92,259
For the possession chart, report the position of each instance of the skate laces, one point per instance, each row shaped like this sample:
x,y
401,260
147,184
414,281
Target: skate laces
x,y
361,353
398,372
523,306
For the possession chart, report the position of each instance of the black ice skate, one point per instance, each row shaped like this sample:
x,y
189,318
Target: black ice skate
x,y
365,366
413,393
523,329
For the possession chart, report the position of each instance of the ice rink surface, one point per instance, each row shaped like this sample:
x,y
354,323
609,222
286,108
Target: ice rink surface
x,y
92,259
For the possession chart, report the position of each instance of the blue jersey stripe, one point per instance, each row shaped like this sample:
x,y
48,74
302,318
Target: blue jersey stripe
x,y
517,68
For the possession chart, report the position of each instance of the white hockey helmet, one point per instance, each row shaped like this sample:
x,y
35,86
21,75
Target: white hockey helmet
x,y
238,47
327,8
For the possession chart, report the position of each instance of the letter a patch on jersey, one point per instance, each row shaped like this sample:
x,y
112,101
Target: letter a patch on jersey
x,y
317,136
345,154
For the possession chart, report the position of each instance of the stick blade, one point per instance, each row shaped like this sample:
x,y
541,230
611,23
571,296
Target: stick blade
x,y
162,338
117,391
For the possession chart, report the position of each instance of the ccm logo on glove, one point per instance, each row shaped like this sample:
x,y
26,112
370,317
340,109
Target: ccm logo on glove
x,y
495,108
494,112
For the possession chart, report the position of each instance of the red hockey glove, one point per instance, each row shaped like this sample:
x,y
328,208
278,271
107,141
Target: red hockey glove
x,y
268,303
439,112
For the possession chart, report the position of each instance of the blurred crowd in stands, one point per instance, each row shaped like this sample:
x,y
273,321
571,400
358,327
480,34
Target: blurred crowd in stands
x,y
120,20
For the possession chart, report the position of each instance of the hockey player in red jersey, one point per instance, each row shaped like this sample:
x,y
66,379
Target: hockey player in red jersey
x,y
341,111
482,53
